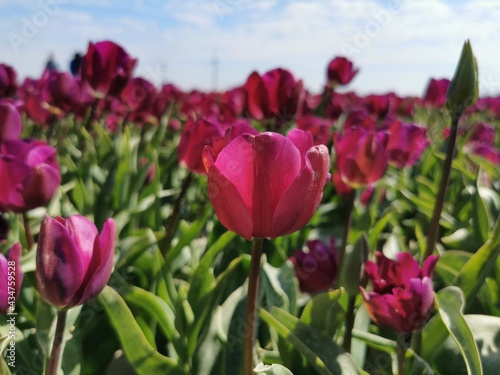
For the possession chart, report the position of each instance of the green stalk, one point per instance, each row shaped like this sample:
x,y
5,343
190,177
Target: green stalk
x,y
438,206
253,285
349,323
57,345
27,231
400,352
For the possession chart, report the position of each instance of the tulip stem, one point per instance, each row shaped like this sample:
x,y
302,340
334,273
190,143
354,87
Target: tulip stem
x,y
345,237
400,353
349,323
170,225
438,206
416,342
56,353
253,284
91,114
27,231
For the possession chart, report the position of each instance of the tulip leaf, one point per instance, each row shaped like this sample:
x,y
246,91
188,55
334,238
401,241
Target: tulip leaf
x,y
351,270
472,275
271,369
480,219
320,350
450,303
450,263
138,351
326,311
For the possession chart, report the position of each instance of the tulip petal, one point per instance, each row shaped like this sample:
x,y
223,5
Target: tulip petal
x,y
59,267
229,206
84,232
101,265
299,202
4,295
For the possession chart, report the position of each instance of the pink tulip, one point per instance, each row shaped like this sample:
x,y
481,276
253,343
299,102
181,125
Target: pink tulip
x,y
275,95
11,278
435,94
406,144
61,91
316,269
340,71
8,80
320,128
107,67
73,261
206,131
10,121
402,295
361,156
30,175
138,95
267,185
35,107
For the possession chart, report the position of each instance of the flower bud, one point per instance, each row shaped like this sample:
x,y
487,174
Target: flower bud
x,y
463,89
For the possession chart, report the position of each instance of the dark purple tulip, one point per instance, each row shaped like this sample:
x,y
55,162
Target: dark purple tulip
x,y
73,261
402,295
435,94
61,91
138,95
340,71
8,80
319,127
316,269
10,122
30,175
34,106
11,276
107,67
406,144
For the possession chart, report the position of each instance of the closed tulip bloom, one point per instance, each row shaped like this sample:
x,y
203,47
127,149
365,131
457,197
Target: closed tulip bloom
x,y
8,80
276,95
406,144
267,185
361,156
10,122
11,276
340,71
206,131
138,95
107,67
61,91
30,175
73,261
402,295
320,128
316,269
435,94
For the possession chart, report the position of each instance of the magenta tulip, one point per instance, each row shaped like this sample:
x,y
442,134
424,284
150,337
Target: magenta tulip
x,y
35,107
30,175
275,95
402,296
316,269
10,121
8,80
267,185
73,261
11,278
207,131
138,95
361,156
340,71
320,128
435,94
61,91
107,67
406,144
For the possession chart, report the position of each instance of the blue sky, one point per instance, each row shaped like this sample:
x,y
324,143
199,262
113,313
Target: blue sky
x,y
397,44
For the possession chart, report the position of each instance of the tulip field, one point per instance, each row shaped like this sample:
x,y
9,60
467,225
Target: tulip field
x,y
265,229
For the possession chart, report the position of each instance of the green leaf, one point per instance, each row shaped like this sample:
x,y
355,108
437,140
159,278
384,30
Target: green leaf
x,y
319,350
140,354
479,266
450,263
271,370
351,270
480,219
326,311
450,302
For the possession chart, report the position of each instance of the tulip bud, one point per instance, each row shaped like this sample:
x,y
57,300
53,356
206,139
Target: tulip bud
x,y
73,261
10,121
463,89
316,270
11,276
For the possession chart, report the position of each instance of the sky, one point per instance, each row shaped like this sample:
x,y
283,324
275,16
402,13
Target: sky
x,y
215,44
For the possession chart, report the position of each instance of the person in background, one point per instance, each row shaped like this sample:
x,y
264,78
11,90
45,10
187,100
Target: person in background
x,y
75,64
51,64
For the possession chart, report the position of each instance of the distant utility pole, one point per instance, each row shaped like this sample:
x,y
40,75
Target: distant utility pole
x,y
214,72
